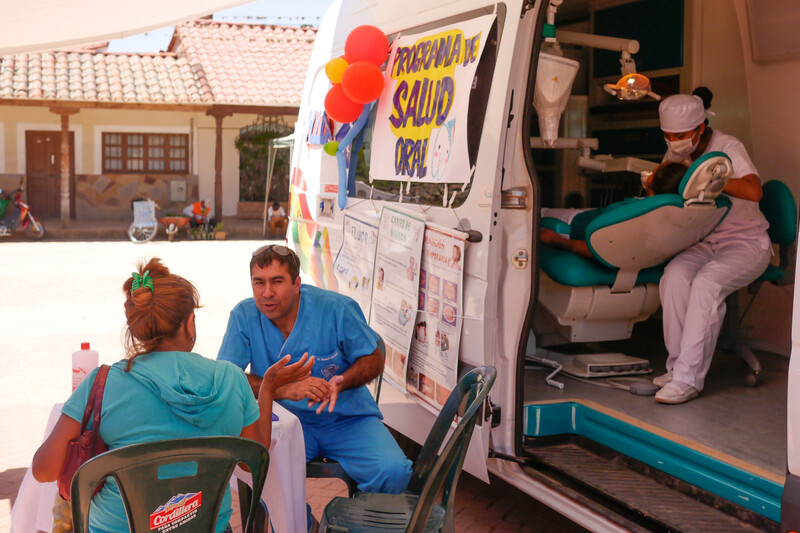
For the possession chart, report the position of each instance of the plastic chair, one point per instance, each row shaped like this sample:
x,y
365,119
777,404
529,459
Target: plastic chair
x,y
151,495
328,468
779,208
417,510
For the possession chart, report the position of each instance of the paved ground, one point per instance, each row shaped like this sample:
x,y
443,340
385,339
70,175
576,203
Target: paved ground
x,y
56,295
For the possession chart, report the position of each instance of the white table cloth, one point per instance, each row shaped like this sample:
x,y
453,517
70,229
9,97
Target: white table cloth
x,y
284,492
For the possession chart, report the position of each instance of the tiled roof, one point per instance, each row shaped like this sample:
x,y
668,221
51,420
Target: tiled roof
x,y
100,77
247,63
209,62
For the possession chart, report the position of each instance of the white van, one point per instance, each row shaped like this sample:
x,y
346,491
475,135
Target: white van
x,y
582,443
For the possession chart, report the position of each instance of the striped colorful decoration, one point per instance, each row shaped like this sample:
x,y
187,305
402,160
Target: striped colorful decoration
x,y
312,246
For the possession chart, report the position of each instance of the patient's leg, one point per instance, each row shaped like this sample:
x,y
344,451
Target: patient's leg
x,y
565,215
733,266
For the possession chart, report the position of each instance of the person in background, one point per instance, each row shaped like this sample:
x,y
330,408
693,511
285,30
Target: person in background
x,y
278,220
200,214
340,418
164,391
697,281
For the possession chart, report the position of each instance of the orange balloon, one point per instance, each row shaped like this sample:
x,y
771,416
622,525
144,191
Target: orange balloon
x,y
366,43
335,68
339,107
362,82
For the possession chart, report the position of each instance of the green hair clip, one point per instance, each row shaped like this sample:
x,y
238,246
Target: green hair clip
x,y
141,281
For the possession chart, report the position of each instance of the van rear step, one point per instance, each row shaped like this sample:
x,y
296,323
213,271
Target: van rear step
x,y
632,493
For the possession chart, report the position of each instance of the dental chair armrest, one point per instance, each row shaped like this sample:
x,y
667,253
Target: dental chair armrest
x,y
557,225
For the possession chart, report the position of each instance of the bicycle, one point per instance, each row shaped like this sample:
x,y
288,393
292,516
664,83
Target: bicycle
x,y
144,225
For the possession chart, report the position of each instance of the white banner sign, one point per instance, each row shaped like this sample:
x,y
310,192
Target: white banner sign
x,y
433,362
396,285
421,124
354,263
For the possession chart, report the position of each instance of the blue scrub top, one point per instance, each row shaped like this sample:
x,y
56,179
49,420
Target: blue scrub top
x,y
329,326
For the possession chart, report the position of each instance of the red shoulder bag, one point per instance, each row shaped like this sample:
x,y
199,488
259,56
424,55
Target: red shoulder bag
x,y
88,444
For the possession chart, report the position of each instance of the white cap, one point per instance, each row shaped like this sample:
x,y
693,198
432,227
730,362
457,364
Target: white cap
x,y
207,201
681,112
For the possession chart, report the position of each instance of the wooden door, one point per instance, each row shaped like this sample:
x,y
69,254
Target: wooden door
x,y
43,169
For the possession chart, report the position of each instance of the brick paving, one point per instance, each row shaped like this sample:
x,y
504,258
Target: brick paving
x,y
479,508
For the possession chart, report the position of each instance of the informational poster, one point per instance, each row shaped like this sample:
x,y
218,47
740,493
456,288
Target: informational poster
x,y
354,264
420,129
433,361
395,287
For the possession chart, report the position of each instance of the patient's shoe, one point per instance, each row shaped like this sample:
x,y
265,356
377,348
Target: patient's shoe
x,y
663,379
673,393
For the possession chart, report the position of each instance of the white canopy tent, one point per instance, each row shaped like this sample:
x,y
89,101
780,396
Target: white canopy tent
x,y
41,25
274,145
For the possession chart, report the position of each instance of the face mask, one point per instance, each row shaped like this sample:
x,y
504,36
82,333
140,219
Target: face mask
x,y
684,147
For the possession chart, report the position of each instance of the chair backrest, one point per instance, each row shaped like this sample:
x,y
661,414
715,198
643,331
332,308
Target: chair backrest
x,y
780,210
640,233
168,483
432,473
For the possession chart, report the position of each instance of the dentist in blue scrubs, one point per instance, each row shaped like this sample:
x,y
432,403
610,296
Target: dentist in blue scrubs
x,y
340,418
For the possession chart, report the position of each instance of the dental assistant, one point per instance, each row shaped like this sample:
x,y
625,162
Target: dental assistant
x,y
697,281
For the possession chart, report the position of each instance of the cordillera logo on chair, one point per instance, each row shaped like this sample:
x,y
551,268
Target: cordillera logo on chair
x,y
179,510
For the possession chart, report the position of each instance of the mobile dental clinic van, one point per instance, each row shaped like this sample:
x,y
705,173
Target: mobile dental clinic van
x,y
427,213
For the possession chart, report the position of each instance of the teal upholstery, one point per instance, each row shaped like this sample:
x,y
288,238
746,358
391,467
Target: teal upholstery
x,y
779,209
573,270
567,268
555,224
777,205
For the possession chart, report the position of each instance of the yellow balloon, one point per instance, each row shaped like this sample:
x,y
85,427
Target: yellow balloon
x,y
335,68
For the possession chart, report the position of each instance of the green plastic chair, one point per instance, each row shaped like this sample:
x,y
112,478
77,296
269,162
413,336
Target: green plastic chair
x,y
779,208
417,509
151,496
328,468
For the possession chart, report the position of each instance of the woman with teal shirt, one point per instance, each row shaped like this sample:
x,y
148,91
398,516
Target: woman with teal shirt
x,y
164,391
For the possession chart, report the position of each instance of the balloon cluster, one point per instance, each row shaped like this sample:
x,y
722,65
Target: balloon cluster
x,y
356,76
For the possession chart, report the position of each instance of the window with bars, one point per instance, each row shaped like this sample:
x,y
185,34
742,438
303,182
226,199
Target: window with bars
x,y
145,152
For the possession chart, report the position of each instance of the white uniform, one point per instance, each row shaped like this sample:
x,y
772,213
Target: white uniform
x,y
697,281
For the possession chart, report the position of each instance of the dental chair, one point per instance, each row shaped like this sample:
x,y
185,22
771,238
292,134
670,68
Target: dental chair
x,y
583,300
779,208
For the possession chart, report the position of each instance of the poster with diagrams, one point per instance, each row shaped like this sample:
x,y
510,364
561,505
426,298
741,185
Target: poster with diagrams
x,y
396,286
356,260
433,359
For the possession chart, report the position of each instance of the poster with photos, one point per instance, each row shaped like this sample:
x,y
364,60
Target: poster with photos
x,y
395,287
354,262
433,361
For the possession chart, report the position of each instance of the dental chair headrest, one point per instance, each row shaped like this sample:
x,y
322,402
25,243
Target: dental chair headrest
x,y
706,178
